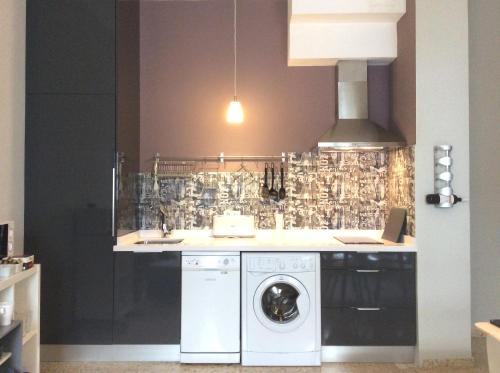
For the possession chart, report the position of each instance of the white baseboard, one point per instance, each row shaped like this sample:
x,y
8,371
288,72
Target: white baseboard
x,y
167,353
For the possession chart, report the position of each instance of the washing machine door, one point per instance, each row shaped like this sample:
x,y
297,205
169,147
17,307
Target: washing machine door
x,y
281,303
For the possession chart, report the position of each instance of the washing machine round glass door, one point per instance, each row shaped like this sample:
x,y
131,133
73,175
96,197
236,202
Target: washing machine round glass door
x,y
281,303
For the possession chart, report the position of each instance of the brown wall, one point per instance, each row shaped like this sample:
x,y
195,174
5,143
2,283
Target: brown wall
x,y
187,72
404,77
379,94
187,81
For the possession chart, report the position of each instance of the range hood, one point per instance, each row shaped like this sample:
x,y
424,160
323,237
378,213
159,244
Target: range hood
x,y
353,129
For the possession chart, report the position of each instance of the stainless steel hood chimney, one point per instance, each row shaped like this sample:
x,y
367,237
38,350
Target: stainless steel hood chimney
x,y
353,130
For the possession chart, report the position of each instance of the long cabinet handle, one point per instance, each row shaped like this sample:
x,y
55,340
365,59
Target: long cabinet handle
x,y
368,270
366,308
113,203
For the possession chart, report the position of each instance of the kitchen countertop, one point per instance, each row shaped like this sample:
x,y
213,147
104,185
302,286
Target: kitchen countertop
x,y
265,240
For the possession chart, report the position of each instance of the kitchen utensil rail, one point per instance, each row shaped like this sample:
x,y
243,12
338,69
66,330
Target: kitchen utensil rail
x,y
180,166
223,158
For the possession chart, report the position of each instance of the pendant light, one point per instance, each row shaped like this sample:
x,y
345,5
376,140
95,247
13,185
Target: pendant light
x,y
234,113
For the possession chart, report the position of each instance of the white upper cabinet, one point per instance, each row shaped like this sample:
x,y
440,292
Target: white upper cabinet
x,y
346,10
321,32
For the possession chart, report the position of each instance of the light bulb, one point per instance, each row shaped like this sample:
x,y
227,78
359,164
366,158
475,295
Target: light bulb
x,y
234,113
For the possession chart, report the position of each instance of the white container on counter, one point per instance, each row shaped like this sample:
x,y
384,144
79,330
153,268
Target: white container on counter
x,y
279,220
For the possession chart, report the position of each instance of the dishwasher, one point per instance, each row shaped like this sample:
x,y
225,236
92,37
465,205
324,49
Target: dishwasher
x,y
210,314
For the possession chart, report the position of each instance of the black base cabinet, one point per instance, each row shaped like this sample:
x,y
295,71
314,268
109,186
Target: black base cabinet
x,y
346,326
368,299
147,298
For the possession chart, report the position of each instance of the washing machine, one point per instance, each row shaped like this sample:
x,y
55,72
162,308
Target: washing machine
x,y
281,310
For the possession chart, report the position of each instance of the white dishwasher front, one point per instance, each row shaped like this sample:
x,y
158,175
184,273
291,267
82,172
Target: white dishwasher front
x,y
210,313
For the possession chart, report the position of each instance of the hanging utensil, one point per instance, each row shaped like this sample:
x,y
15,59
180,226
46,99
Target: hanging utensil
x,y
273,193
265,188
282,191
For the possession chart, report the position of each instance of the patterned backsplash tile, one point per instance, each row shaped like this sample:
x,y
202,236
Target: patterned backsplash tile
x,y
335,190
400,184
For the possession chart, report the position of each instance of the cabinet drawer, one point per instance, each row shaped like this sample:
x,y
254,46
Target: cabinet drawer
x,y
367,288
354,260
346,326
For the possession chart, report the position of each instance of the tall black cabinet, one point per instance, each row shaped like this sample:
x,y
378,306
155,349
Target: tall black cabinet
x,y
70,156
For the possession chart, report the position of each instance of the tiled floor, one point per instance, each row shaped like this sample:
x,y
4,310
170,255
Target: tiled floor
x,y
480,366
176,368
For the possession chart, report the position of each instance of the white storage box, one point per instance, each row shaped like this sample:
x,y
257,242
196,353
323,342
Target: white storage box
x,y
233,226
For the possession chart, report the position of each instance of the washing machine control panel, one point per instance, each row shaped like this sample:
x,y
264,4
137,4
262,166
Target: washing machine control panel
x,y
286,264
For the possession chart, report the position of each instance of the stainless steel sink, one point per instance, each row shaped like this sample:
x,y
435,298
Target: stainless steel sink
x,y
160,241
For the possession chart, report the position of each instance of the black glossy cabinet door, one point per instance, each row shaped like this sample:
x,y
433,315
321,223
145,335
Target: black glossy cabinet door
x,y
368,299
70,46
368,288
368,261
68,213
350,326
147,298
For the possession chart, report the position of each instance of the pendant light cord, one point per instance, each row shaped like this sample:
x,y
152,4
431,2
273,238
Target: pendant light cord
x,y
235,47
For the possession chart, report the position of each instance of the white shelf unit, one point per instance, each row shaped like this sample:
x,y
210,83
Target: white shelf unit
x,y
4,357
23,291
